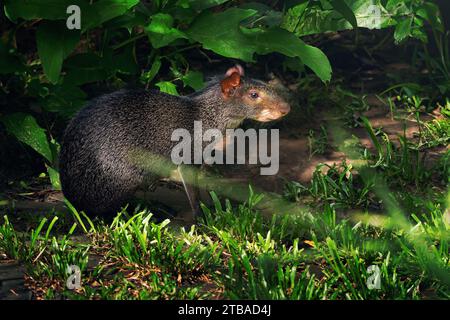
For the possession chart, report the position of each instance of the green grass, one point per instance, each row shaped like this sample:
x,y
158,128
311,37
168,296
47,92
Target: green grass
x,y
235,253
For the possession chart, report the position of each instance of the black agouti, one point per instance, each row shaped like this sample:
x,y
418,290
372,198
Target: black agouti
x,y
97,173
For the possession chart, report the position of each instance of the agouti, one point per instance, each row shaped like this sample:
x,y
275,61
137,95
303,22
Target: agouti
x,y
96,171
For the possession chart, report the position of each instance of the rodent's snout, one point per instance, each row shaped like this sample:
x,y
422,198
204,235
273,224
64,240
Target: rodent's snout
x,y
284,108
273,112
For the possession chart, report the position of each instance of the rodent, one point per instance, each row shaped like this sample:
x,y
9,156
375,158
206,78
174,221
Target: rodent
x,y
96,173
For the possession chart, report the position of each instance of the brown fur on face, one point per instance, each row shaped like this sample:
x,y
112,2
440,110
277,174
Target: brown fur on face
x,y
268,106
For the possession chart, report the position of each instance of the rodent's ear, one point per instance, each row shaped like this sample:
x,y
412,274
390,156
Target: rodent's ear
x,y
230,83
237,68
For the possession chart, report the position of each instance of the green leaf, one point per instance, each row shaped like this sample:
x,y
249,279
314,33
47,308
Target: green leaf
x,y
124,62
160,30
280,40
85,68
167,87
54,177
200,5
265,16
65,99
293,16
193,79
92,15
150,75
403,29
221,33
55,42
430,12
39,9
25,128
104,10
341,7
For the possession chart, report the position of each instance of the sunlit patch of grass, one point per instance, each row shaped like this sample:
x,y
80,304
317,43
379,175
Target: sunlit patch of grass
x,y
435,133
318,142
335,184
142,259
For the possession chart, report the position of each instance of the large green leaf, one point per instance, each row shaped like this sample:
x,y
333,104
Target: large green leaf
x,y
280,40
85,68
161,32
221,33
200,5
104,10
65,99
92,15
193,79
55,42
124,61
25,128
40,9
341,7
403,29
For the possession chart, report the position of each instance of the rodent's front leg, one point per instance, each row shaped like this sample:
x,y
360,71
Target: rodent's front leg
x,y
189,179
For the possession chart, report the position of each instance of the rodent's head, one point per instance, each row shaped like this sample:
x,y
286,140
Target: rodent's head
x,y
257,100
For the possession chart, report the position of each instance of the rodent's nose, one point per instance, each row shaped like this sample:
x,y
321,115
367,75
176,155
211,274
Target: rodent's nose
x,y
284,108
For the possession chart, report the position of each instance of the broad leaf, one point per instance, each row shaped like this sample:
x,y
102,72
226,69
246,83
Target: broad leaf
x,y
221,33
341,7
403,30
85,68
193,79
280,40
92,15
40,9
54,42
105,10
25,128
65,99
167,87
160,30
199,5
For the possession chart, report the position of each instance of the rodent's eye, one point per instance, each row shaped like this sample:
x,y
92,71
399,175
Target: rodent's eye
x,y
254,95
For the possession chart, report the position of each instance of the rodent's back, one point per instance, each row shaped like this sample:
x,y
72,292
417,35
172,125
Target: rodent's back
x,y
95,164
132,117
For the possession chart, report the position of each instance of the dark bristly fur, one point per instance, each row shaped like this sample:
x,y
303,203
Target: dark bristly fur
x,y
97,175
